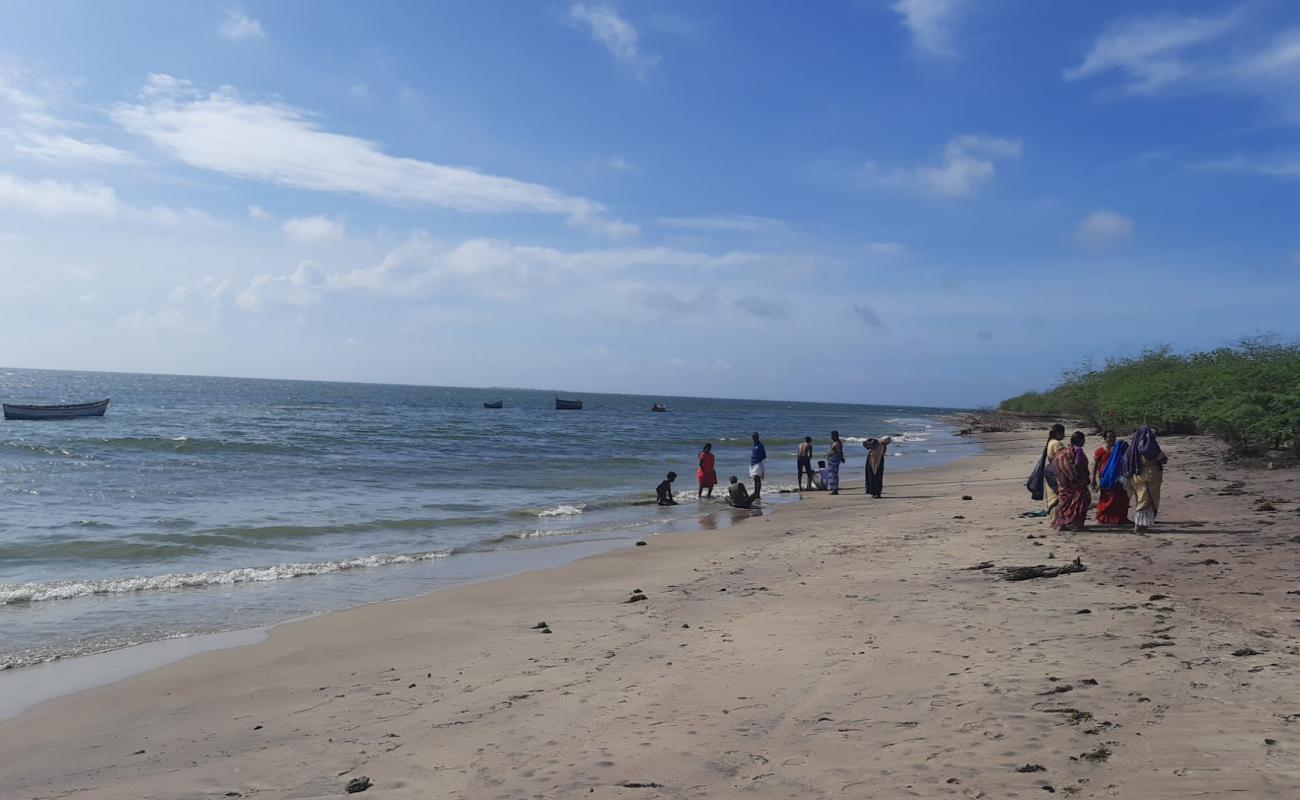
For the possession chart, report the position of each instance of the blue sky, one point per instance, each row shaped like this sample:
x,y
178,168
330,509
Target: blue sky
x,y
897,201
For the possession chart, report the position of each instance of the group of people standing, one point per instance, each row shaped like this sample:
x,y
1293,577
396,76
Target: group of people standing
x,y
1123,473
825,478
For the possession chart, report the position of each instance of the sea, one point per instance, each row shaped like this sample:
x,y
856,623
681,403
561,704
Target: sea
x,y
206,504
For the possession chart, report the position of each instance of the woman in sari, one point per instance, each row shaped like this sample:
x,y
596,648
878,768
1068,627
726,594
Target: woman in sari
x,y
706,474
1071,466
876,464
1055,441
1144,469
1112,502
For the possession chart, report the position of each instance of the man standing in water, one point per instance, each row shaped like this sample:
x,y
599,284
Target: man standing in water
x,y
756,458
803,464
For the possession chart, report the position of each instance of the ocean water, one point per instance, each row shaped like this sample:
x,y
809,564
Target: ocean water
x,y
204,504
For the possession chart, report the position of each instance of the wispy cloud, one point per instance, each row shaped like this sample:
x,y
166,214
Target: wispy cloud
x,y
1152,52
968,163
283,145
238,26
48,198
29,120
615,163
65,149
54,199
315,230
930,23
1103,229
722,222
1285,166
760,307
605,25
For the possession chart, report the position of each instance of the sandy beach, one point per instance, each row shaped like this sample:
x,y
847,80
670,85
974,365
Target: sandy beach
x,y
842,647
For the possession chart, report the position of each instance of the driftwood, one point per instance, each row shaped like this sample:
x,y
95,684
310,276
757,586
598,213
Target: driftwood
x,y
1041,571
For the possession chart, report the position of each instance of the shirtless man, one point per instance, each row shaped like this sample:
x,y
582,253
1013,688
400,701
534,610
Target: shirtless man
x,y
803,464
738,495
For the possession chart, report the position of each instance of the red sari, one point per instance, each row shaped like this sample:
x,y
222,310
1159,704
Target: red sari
x,y
707,476
1072,485
1112,504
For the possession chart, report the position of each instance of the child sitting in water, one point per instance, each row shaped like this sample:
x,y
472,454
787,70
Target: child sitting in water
x,y
819,479
664,491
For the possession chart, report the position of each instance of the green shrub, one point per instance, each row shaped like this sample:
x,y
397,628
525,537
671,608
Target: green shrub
x,y
1248,394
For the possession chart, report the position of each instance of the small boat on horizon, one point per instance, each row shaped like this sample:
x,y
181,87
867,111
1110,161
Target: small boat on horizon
x,y
494,404
67,411
659,407
568,405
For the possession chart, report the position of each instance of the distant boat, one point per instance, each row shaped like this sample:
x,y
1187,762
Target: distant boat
x,y
658,407
95,409
568,405
495,404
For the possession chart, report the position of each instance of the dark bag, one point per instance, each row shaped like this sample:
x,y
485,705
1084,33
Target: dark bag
x,y
1036,478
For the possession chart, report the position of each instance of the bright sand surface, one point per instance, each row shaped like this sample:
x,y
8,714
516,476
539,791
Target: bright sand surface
x,y
838,648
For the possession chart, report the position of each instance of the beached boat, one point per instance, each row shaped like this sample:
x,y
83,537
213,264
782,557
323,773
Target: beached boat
x,y
495,404
659,407
568,405
95,409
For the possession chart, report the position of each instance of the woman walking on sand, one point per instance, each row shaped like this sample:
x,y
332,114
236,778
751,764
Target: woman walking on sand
x,y
1055,441
708,477
876,464
1071,466
1112,501
1144,469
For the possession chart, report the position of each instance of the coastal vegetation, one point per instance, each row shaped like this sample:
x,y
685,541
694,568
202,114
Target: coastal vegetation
x,y
1247,394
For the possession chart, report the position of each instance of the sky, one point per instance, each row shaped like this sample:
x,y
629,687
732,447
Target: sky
x,y
935,202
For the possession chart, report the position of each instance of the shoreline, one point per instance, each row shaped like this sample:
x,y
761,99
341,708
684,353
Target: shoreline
x,y
842,643
25,686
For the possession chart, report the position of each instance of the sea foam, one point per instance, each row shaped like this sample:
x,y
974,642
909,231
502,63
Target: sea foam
x,y
66,590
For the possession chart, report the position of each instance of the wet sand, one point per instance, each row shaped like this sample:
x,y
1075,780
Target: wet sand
x,y
840,648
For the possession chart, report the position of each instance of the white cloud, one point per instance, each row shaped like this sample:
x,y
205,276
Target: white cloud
x,y
300,288
48,198
239,26
724,222
315,230
62,148
286,146
885,248
760,307
1151,52
1103,229
968,163
930,22
39,133
495,268
605,26
258,213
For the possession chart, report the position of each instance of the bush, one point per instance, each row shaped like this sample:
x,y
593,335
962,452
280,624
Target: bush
x,y
1248,394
